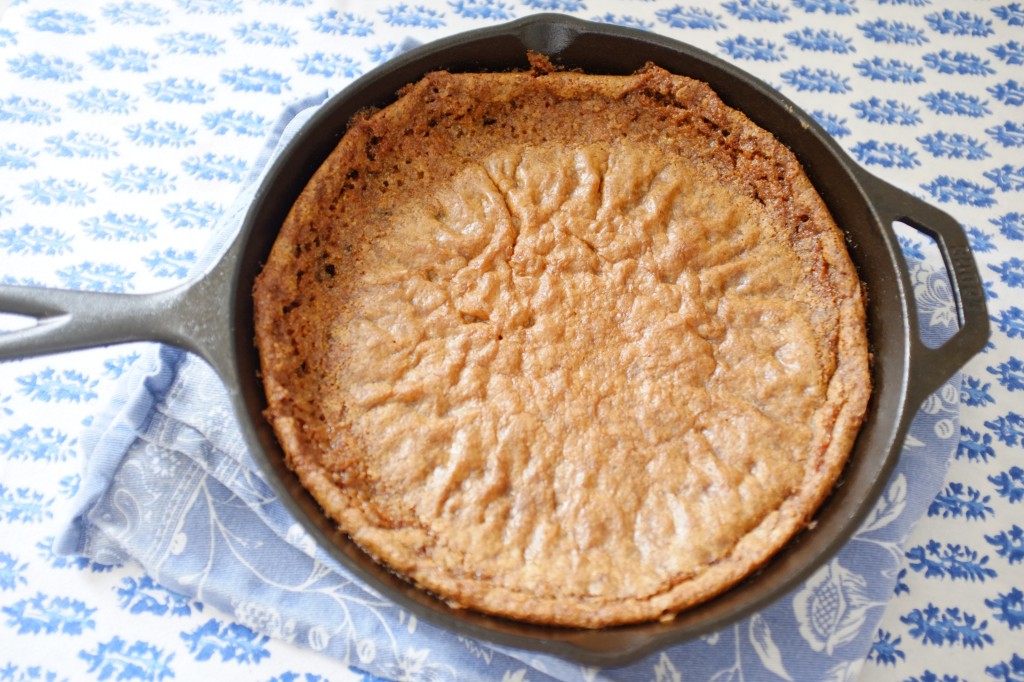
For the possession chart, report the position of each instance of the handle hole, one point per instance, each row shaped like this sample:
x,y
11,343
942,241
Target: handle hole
x,y
938,315
12,322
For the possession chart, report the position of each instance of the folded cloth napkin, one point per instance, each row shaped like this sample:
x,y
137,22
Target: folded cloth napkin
x,y
169,483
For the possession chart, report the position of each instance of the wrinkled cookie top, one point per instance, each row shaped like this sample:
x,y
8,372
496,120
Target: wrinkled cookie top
x,y
572,349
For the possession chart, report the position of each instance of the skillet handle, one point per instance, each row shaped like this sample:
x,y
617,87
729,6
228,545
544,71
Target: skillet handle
x,y
69,320
933,366
196,316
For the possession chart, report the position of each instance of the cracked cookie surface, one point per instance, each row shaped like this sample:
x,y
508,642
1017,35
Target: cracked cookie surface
x,y
572,349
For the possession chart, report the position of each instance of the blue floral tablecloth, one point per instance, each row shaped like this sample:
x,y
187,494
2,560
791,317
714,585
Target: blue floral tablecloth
x,y
137,538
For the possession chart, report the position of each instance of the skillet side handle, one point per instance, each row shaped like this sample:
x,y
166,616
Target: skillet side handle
x,y
933,366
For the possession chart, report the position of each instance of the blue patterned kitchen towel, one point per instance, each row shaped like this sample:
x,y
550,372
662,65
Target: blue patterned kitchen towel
x,y
170,484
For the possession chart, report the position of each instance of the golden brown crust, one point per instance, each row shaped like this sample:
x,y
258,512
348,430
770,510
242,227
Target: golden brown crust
x,y
572,349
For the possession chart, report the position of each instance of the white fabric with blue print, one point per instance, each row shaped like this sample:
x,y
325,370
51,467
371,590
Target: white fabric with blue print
x,y
138,540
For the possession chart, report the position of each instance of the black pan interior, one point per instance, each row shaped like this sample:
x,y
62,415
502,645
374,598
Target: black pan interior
x,y
600,48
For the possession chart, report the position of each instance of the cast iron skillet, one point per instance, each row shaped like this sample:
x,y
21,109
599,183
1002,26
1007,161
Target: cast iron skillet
x,y
213,315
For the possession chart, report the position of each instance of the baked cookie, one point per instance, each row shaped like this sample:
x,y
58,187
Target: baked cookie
x,y
572,349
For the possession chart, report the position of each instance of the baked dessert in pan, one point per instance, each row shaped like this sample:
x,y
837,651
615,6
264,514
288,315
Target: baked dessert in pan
x,y
568,348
